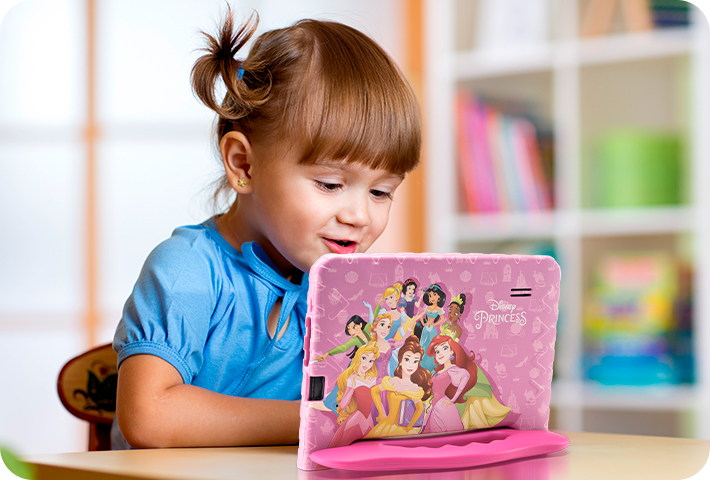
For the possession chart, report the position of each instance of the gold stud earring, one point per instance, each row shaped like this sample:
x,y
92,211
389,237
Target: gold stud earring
x,y
241,182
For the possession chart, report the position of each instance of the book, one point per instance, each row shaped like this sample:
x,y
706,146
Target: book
x,y
629,317
467,177
670,13
504,166
484,164
501,163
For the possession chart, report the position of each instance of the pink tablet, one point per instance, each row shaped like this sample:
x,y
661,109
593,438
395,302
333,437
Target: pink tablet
x,y
410,359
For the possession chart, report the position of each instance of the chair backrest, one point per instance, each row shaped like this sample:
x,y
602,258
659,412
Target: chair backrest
x,y
87,388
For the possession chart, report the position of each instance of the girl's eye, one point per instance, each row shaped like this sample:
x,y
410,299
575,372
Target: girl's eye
x,y
380,195
329,187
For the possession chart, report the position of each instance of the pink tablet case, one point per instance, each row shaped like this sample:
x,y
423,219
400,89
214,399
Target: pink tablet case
x,y
506,328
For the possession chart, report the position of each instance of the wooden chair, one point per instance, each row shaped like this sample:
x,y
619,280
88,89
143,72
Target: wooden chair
x,y
87,388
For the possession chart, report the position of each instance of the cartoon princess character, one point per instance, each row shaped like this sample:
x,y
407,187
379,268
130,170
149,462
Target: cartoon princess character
x,y
390,297
451,327
359,332
409,301
410,382
456,373
355,398
380,334
434,297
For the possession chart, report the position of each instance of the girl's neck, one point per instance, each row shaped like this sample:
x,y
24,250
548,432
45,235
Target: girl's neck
x,y
237,228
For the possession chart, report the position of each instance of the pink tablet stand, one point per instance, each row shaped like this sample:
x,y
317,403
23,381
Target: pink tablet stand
x,y
464,450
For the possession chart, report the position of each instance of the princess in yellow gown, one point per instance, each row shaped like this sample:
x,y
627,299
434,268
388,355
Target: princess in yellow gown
x,y
410,382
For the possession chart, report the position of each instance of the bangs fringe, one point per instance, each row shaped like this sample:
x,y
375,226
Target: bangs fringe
x,y
353,104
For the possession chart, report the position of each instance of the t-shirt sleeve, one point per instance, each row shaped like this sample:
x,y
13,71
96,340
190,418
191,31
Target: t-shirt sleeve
x,y
168,313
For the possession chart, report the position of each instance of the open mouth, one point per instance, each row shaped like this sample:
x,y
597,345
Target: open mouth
x,y
343,243
342,246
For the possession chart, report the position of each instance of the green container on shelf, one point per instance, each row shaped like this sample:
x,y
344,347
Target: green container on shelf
x,y
638,169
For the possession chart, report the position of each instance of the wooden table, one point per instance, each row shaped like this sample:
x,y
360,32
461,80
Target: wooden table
x,y
589,456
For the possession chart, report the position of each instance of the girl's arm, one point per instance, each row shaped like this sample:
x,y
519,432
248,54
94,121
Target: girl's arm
x,y
463,377
155,409
347,395
376,390
339,349
402,323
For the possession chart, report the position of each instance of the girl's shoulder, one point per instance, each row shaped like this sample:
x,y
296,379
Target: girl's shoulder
x,y
194,253
387,384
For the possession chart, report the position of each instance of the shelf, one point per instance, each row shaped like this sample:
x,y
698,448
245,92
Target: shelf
x,y
496,63
587,223
638,221
478,64
581,88
635,47
651,397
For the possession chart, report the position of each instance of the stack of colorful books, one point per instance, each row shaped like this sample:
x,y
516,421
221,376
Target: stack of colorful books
x,y
505,164
634,332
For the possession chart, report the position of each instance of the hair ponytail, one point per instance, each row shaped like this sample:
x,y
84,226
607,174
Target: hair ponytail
x,y
219,62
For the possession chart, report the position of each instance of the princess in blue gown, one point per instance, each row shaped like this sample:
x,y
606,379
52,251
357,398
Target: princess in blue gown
x,y
430,318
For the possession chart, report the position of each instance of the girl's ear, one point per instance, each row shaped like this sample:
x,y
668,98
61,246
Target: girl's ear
x,y
238,160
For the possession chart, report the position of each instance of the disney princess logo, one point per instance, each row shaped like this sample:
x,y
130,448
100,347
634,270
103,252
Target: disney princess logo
x,y
482,316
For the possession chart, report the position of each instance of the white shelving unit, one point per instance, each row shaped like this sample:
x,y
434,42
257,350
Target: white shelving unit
x,y
565,77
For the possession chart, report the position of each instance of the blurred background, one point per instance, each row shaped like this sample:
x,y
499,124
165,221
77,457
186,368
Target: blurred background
x,y
574,128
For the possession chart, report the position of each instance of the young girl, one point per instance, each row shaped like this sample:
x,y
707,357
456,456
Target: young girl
x,y
316,130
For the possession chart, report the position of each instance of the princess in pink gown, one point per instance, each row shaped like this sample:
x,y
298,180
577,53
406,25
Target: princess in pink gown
x,y
355,397
454,375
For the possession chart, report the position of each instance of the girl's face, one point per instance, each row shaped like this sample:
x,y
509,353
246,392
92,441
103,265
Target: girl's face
x,y
354,328
304,211
410,290
391,301
366,362
442,353
433,298
383,327
410,362
454,313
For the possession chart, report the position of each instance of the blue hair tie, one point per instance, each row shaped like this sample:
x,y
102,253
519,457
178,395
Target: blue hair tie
x,y
240,73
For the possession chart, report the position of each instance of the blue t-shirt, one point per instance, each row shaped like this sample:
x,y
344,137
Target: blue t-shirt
x,y
202,306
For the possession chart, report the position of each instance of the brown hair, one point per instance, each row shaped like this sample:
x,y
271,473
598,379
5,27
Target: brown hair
x,y
421,376
322,88
460,360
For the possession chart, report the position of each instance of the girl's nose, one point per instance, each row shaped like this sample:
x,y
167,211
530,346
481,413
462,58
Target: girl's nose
x,y
355,211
